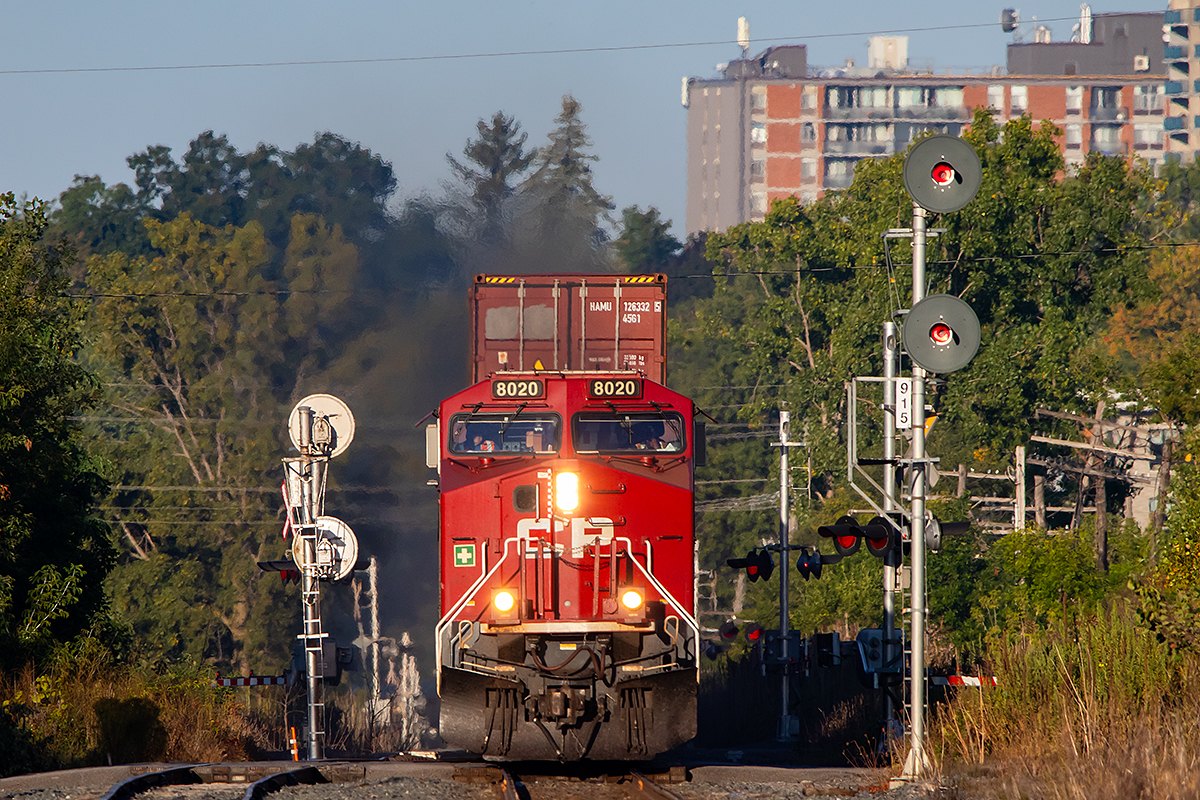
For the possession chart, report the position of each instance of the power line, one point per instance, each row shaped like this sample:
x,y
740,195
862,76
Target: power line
x,y
495,54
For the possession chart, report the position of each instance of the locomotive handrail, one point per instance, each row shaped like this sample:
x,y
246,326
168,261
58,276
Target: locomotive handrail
x,y
662,590
468,596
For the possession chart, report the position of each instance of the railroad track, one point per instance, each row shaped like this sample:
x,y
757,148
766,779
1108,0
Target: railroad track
x,y
632,785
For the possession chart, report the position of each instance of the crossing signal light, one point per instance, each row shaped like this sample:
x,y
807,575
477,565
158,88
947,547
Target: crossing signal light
x,y
728,630
758,565
811,563
845,534
936,530
881,536
754,632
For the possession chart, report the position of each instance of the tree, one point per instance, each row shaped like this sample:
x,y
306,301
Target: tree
x,y
800,297
567,211
218,185
54,554
205,355
492,163
645,243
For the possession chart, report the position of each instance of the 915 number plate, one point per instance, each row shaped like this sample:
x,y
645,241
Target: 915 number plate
x,y
615,387
518,389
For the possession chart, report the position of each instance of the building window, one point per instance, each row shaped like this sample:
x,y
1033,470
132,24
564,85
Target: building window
x,y
947,97
1147,135
909,97
838,170
874,97
996,98
1106,97
1074,135
1106,138
758,98
808,170
808,100
1074,99
808,133
758,202
758,169
758,132
841,97
1147,98
1020,99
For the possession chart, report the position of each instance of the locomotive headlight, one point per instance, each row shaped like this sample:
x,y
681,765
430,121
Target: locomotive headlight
x,y
504,601
566,491
631,599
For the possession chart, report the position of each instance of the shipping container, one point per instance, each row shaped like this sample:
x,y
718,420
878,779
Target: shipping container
x,y
594,323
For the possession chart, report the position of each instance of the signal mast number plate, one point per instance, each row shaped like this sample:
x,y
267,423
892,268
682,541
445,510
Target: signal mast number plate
x,y
619,387
518,389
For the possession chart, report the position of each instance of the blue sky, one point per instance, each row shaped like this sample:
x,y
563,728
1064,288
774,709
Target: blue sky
x,y
412,113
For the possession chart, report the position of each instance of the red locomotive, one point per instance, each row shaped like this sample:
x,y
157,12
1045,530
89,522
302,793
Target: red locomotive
x,y
568,627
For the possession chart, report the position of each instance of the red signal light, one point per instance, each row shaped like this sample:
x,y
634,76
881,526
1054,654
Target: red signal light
x,y
943,174
754,632
941,334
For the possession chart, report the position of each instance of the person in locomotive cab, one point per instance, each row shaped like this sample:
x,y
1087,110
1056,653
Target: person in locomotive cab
x,y
650,437
481,445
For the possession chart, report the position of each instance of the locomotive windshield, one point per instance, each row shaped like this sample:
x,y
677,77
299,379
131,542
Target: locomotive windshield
x,y
618,432
506,433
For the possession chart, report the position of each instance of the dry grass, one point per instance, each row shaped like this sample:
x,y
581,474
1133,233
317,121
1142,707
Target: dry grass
x,y
1096,710
89,711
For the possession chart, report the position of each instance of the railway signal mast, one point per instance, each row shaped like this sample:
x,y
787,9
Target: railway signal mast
x,y
324,548
941,334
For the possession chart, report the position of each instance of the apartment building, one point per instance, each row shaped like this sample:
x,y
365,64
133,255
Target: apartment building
x,y
770,127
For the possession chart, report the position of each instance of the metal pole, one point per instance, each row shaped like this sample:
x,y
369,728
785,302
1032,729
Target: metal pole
x,y
785,625
917,762
891,355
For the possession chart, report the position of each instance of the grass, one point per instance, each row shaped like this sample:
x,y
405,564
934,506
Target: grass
x,y
1096,709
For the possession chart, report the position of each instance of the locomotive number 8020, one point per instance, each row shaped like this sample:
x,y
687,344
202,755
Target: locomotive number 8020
x,y
618,387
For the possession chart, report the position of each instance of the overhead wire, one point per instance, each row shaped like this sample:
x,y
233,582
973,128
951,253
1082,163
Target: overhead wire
x,y
498,54
699,276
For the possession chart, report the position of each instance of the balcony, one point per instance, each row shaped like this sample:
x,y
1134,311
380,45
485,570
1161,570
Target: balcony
x,y
1108,114
1173,51
859,148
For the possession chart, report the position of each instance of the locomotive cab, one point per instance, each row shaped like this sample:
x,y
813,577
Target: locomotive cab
x,y
567,626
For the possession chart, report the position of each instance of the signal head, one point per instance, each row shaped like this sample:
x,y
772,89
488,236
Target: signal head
x,y
942,173
941,333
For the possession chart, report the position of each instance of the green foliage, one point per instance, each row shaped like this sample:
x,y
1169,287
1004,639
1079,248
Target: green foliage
x,y
488,176
1068,690
217,185
1171,595
568,211
645,243
205,355
54,555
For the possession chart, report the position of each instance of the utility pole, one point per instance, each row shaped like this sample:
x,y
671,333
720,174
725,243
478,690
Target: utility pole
x,y
789,724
